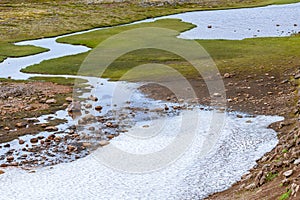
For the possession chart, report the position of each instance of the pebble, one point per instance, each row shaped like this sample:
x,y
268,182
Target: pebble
x,y
10,158
297,162
69,99
51,128
34,140
288,173
98,108
51,101
103,142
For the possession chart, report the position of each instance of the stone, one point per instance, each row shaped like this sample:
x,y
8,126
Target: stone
x,y
69,99
71,148
297,76
20,125
93,98
51,128
103,142
227,75
98,108
34,140
74,107
3,165
51,101
86,144
288,173
250,186
88,105
217,95
1,171
21,141
297,161
10,158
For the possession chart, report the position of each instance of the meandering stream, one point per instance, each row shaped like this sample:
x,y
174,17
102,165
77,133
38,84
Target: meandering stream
x,y
192,175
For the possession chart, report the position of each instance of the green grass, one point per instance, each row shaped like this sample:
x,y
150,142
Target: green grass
x,y
11,50
24,20
270,176
285,195
248,56
59,80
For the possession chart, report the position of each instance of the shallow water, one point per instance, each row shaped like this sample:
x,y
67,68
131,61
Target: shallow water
x,y
192,175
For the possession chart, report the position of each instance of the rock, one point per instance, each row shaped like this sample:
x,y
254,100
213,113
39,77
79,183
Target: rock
x,y
285,182
297,161
295,188
288,173
251,186
297,76
21,141
71,148
74,107
6,145
209,26
51,101
6,128
69,99
34,140
103,142
98,108
1,171
20,125
3,165
86,144
227,75
51,128
110,136
93,98
217,95
88,105
10,158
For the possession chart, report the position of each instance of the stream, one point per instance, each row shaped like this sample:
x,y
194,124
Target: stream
x,y
192,173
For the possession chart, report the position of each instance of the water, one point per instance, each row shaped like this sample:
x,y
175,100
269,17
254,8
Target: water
x,y
194,172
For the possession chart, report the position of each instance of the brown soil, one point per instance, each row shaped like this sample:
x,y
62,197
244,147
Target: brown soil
x,y
20,101
267,94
